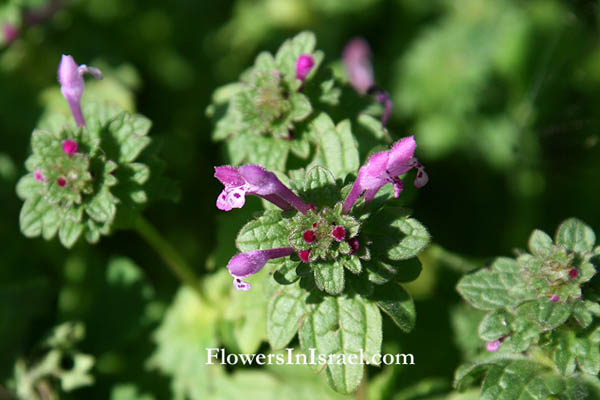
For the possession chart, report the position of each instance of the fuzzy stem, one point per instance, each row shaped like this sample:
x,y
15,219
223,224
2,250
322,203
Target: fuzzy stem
x,y
178,266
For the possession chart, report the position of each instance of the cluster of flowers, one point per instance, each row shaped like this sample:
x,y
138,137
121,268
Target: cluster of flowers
x,y
381,168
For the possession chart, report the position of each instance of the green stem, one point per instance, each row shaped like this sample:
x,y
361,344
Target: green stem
x,y
178,266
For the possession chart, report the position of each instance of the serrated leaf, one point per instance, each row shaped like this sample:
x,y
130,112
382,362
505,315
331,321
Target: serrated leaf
x,y
342,325
301,107
575,235
588,355
266,232
395,301
284,313
520,379
129,131
494,325
337,149
329,276
564,355
320,187
69,232
397,238
352,264
545,313
494,287
466,373
263,150
540,243
101,207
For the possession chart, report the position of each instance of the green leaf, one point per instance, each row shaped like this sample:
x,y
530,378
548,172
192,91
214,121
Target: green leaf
x,y
564,355
266,232
353,264
337,149
69,232
494,325
588,355
129,131
342,325
575,235
545,313
467,373
491,288
395,235
320,187
540,243
186,332
284,313
329,276
584,312
520,379
395,301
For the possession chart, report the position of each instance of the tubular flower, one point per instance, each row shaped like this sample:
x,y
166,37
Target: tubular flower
x,y
357,60
246,264
254,180
385,167
70,77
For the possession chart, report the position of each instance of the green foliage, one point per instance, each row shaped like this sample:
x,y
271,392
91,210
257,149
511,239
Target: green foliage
x,y
330,300
542,313
80,194
61,361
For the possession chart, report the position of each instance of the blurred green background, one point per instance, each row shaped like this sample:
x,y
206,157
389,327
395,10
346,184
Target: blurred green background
x,y
501,95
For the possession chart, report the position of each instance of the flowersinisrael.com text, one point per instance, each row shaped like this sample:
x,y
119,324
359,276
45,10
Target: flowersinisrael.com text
x,y
217,356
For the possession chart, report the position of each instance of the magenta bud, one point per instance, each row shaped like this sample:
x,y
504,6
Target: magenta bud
x,y
309,236
38,175
353,242
573,273
60,181
339,233
357,60
304,255
554,298
70,147
304,65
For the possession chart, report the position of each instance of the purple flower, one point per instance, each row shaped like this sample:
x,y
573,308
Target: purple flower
x,y
339,233
385,167
245,264
357,60
303,66
70,77
254,179
554,298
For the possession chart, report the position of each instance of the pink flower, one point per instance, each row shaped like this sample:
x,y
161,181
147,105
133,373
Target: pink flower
x,y
70,77
357,60
245,264
254,180
385,167
304,65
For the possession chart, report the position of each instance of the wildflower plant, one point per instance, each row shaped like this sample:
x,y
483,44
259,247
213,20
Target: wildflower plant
x,y
266,117
85,169
335,247
541,330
